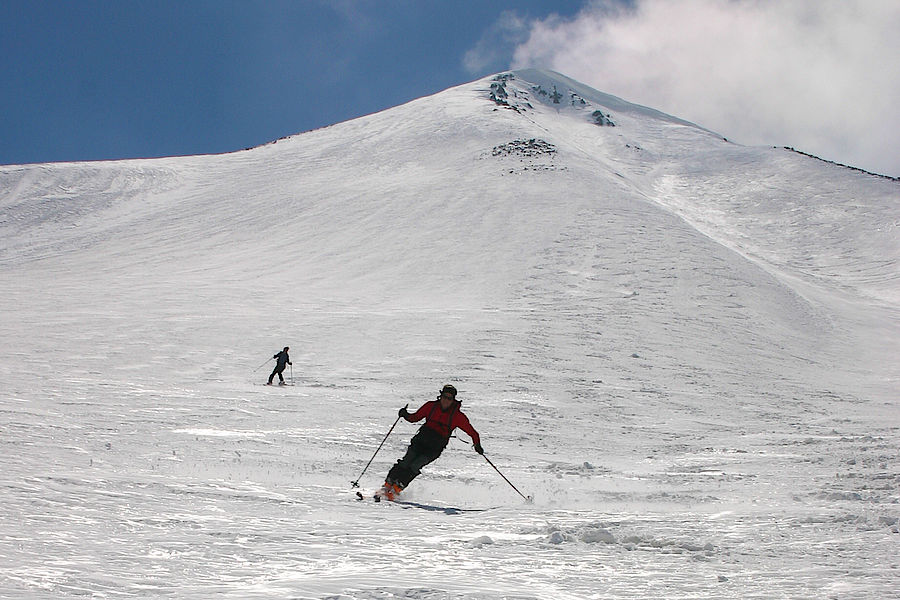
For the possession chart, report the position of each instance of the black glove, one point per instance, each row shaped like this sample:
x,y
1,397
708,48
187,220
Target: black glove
x,y
479,449
403,412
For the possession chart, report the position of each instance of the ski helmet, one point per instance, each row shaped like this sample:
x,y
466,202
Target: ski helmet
x,y
449,389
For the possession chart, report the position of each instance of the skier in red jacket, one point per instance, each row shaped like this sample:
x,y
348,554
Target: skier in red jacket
x,y
441,416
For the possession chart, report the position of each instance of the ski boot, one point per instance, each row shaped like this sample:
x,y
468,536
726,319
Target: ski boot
x,y
389,491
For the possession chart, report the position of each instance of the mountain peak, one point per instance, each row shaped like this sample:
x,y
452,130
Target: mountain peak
x,y
518,90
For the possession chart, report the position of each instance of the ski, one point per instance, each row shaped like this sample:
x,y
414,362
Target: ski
x,y
408,504
374,497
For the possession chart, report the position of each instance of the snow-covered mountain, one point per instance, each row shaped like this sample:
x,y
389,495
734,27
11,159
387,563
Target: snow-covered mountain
x,y
685,350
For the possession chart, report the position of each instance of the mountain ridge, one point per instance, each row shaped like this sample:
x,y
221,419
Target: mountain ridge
x,y
626,152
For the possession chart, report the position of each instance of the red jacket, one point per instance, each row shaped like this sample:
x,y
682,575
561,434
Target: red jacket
x,y
444,422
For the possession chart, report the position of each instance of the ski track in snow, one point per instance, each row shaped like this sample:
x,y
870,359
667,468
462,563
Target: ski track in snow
x,y
689,372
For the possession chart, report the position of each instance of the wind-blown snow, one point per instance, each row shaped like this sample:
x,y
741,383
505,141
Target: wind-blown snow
x,y
684,348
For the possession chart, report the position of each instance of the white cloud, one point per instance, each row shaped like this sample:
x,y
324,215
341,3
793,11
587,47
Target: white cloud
x,y
820,75
496,43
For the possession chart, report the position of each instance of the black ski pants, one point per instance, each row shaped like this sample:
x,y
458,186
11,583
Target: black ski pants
x,y
279,369
423,449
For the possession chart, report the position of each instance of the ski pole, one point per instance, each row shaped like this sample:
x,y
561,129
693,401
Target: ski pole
x,y
292,374
356,483
527,498
261,366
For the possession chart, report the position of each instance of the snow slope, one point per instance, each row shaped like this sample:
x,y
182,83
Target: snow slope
x,y
684,348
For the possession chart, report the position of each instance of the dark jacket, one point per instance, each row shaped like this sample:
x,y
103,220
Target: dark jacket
x,y
282,358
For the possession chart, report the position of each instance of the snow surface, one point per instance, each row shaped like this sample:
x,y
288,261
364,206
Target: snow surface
x,y
684,349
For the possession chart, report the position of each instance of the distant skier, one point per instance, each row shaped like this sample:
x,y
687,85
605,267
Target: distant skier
x,y
441,416
283,359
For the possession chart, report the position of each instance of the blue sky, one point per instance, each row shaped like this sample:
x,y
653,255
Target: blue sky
x,y
103,79
91,79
